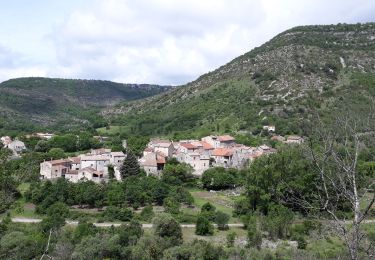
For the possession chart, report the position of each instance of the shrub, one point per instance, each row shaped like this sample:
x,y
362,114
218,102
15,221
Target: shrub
x,y
147,213
221,219
208,210
116,213
231,237
203,226
165,226
218,178
302,244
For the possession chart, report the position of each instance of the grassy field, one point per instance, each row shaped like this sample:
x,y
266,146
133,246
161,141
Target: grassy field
x,y
112,130
221,201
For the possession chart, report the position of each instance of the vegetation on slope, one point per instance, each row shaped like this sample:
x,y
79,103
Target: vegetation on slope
x,y
29,102
303,70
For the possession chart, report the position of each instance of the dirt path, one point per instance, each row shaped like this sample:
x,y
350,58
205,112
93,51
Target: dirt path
x,y
147,225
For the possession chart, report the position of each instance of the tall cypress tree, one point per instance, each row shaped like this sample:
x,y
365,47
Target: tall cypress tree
x,y
130,167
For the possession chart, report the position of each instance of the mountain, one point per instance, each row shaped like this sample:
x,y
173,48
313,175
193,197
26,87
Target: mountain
x,y
26,102
321,69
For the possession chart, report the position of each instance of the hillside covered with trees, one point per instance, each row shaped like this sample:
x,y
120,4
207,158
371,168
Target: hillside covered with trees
x,y
300,72
63,103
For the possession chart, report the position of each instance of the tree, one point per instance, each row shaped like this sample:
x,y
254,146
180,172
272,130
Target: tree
x,y
18,245
100,246
254,236
166,227
129,234
279,178
171,205
115,213
203,226
82,230
130,166
42,146
208,210
177,174
335,151
111,172
218,178
221,220
56,153
278,221
147,213
56,215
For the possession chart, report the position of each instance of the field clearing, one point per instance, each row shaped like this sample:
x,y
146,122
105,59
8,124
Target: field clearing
x,y
113,130
221,201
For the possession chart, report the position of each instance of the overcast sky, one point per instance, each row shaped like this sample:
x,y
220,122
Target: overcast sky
x,y
150,41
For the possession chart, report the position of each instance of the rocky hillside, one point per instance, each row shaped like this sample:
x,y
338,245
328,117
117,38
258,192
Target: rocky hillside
x,y
47,101
303,70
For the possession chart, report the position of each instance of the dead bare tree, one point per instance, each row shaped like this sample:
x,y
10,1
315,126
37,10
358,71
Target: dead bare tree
x,y
334,152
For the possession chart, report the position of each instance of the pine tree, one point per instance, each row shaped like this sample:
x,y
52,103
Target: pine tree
x,y
130,167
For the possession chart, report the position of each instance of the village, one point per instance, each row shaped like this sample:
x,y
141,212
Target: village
x,y
99,165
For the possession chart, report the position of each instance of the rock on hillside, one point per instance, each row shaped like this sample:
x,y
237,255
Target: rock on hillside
x,y
296,71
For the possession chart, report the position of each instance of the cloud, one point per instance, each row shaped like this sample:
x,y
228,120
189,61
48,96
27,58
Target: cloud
x,y
166,42
171,41
14,65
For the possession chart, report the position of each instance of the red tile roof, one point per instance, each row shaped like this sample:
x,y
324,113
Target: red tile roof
x,y
222,152
60,161
225,138
188,146
206,145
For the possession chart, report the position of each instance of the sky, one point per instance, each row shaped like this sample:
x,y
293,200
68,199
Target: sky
x,y
167,42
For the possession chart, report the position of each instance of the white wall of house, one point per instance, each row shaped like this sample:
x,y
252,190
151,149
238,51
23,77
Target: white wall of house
x,y
72,177
96,164
17,146
164,149
151,170
88,175
117,173
116,158
51,171
212,140
222,161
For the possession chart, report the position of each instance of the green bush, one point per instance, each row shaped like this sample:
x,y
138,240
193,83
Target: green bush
x,y
115,213
203,226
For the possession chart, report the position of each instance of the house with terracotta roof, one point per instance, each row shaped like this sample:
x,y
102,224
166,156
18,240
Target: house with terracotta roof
x,y
153,163
220,141
222,157
91,166
55,168
241,155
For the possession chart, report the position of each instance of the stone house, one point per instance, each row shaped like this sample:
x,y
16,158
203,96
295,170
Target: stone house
x,y
116,158
294,139
222,157
98,163
5,140
55,168
16,146
153,163
221,141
